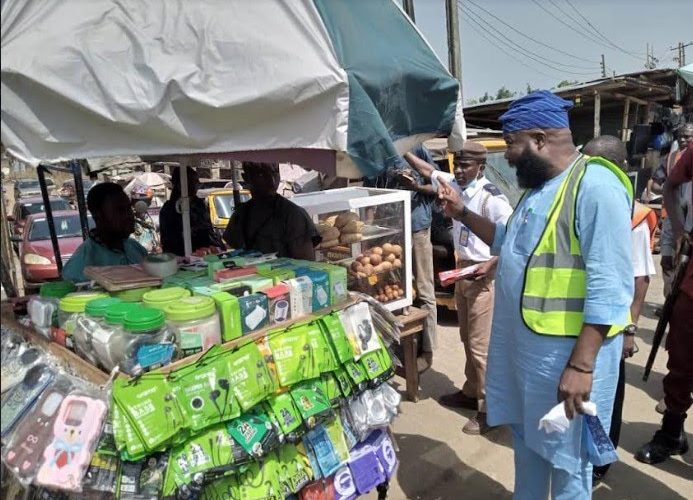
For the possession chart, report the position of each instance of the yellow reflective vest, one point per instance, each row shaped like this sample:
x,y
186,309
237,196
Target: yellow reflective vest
x,y
555,284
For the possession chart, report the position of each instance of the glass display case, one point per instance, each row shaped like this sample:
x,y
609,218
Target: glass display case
x,y
368,231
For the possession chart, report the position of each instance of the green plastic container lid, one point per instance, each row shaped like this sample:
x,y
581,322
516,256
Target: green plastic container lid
x,y
97,308
134,295
75,302
115,314
162,297
56,289
190,308
143,319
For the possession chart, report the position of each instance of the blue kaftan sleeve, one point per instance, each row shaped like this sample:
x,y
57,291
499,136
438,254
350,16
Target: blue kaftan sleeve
x,y
603,227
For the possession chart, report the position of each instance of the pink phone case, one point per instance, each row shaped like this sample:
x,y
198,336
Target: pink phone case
x,y
24,454
75,430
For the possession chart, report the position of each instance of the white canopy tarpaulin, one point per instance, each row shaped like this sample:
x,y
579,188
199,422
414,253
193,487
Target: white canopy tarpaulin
x,y
322,83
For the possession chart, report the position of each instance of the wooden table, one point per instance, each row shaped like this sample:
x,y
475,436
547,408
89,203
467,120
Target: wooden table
x,y
413,324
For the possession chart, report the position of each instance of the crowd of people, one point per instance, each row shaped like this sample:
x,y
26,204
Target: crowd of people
x,y
549,315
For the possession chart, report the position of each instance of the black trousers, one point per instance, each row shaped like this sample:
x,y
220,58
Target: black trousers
x,y
617,413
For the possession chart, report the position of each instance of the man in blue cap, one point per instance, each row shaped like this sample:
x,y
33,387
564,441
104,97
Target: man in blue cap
x,y
563,288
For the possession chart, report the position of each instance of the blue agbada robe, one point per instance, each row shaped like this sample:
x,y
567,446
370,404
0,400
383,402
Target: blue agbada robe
x,y
524,368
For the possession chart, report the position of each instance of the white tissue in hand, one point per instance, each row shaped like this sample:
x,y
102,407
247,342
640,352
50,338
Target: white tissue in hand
x,y
557,421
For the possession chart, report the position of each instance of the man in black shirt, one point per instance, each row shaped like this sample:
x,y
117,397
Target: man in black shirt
x,y
268,222
202,233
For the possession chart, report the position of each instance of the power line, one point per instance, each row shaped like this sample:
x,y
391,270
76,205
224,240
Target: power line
x,y
597,31
483,34
590,37
528,53
527,36
515,58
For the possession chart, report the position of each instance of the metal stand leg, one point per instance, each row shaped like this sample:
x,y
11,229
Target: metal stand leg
x,y
382,490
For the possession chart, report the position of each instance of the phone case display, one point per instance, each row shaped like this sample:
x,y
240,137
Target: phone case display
x,y
271,418
367,231
75,431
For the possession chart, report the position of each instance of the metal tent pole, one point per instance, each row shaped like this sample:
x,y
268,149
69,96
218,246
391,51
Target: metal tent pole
x,y
41,170
185,209
79,193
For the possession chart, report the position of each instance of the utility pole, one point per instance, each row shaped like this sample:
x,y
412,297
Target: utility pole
x,y
681,51
408,6
603,67
454,58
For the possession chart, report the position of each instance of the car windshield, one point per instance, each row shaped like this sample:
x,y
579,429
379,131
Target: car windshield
x,y
66,226
224,205
38,207
28,184
499,172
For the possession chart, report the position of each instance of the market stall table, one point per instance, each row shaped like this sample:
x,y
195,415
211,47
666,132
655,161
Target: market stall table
x,y
413,324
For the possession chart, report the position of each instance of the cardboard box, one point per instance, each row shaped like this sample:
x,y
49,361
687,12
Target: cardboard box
x,y
279,299
254,310
229,310
301,295
338,281
321,286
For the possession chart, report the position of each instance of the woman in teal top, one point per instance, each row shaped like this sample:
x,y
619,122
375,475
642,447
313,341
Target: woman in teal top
x,y
109,243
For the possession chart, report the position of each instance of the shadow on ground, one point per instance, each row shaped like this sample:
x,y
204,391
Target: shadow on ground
x,y
626,482
438,473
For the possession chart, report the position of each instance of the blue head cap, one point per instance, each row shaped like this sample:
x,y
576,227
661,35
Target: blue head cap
x,y
540,109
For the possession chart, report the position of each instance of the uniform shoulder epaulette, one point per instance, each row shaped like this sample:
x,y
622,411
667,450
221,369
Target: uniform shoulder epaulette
x,y
491,188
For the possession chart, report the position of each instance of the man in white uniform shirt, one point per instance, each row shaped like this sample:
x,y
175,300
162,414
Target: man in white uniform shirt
x,y
474,295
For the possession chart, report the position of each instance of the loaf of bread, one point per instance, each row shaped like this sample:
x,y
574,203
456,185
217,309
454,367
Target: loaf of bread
x,y
344,218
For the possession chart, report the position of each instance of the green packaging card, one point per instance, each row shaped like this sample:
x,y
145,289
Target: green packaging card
x,y
260,480
254,432
132,446
344,382
213,450
335,431
311,401
294,472
150,406
249,376
377,364
293,356
285,413
357,375
205,394
332,389
221,489
336,335
321,349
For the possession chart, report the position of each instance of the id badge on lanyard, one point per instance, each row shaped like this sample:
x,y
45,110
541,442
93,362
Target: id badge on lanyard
x,y
464,237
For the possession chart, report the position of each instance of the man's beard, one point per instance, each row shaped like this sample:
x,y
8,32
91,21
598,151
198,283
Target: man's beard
x,y
531,170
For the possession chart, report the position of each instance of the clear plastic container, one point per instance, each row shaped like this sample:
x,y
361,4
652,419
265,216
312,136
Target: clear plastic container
x,y
91,334
195,322
43,309
108,342
144,342
71,306
162,297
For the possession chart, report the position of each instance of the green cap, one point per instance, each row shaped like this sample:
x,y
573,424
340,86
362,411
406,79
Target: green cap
x,y
97,308
76,302
143,319
115,314
56,289
162,297
190,308
133,295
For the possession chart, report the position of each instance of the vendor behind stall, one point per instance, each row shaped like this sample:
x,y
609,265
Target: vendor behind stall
x,y
108,243
202,233
268,222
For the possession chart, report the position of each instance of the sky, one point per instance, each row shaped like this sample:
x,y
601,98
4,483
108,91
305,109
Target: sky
x,y
626,24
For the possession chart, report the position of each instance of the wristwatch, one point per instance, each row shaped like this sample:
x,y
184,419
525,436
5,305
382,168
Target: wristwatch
x,y
630,330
